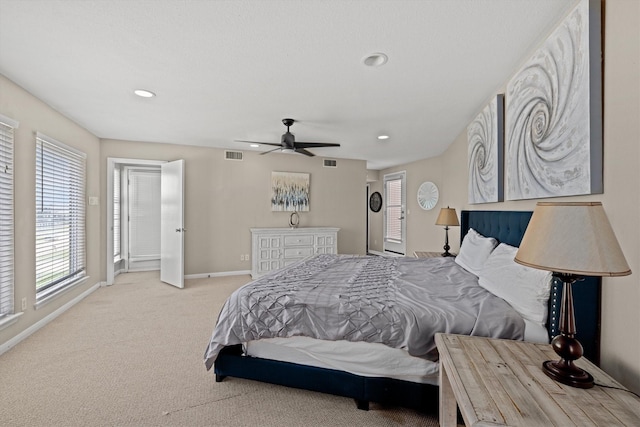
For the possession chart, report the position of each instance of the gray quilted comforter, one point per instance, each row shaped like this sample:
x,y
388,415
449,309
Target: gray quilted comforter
x,y
399,302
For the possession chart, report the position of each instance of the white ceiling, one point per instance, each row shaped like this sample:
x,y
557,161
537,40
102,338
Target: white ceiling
x,y
225,70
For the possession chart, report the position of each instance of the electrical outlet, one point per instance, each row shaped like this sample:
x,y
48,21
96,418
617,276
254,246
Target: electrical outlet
x,y
246,257
24,303
241,257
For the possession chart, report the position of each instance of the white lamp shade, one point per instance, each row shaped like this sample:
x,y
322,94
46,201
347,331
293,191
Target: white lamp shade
x,y
573,238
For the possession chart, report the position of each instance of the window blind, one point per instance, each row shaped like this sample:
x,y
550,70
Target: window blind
x,y
394,210
116,213
60,215
7,126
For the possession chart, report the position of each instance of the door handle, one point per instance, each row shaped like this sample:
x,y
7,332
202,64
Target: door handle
x,y
180,230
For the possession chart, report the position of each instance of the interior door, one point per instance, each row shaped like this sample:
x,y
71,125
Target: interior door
x,y
172,223
395,229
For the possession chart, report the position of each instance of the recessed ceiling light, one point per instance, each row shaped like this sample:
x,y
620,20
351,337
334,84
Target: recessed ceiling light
x,y
375,60
383,136
144,93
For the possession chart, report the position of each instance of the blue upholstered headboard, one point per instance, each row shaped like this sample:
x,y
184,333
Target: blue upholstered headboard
x,y
509,227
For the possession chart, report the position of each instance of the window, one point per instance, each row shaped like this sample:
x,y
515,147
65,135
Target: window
x,y
7,126
60,216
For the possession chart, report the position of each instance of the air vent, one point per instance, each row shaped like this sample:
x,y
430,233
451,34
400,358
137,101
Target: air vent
x,y
330,163
233,155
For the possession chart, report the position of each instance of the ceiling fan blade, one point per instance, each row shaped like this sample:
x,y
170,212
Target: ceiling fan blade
x,y
270,151
261,143
315,144
303,151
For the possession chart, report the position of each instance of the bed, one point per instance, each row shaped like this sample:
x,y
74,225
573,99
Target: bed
x,y
300,362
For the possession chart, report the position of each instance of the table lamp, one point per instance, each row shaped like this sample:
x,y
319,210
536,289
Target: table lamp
x,y
447,217
572,240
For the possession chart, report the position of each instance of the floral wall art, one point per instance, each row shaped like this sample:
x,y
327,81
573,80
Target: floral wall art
x,y
485,153
290,191
553,122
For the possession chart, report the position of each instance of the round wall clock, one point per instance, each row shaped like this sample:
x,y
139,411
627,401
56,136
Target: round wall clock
x,y
375,202
428,195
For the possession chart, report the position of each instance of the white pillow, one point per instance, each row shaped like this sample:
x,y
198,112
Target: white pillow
x,y
525,289
474,251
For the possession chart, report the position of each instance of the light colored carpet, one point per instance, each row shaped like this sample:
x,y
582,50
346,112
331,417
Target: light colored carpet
x,y
131,354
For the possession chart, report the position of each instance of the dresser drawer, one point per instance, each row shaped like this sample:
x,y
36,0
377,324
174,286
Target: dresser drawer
x,y
300,252
299,240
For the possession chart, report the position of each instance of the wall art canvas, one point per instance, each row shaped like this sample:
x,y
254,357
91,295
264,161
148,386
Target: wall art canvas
x,y
290,191
553,119
485,154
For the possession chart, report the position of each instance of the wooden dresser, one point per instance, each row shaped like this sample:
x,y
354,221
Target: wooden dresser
x,y
274,248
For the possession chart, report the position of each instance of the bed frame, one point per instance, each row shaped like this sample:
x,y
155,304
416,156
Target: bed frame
x,y
507,227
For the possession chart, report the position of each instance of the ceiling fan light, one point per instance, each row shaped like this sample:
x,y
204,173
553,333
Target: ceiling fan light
x,y
255,145
375,60
144,93
383,137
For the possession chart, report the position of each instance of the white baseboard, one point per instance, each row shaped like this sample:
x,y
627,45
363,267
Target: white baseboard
x,y
219,274
4,347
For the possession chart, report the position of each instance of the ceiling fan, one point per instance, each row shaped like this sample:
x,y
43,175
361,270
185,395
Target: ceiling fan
x,y
288,142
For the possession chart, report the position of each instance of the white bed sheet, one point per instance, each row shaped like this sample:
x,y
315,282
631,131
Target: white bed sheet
x,y
359,358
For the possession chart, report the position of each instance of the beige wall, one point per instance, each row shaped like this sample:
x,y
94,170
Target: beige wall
x,y
36,116
224,198
620,352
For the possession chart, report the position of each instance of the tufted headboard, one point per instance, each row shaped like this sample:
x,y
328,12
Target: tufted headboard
x,y
509,227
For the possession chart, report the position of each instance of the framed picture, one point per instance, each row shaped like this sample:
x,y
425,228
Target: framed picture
x,y
485,154
553,132
290,192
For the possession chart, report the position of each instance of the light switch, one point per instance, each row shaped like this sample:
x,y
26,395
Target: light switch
x,y
93,201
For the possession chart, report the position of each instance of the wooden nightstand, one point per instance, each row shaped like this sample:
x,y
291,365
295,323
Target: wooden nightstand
x,y
501,383
420,254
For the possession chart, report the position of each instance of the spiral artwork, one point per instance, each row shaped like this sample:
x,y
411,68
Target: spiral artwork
x,y
549,144
485,154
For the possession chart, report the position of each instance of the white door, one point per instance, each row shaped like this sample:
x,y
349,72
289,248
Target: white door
x,y
172,223
395,229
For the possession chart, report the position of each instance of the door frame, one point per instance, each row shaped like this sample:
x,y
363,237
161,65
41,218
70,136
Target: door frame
x,y
111,163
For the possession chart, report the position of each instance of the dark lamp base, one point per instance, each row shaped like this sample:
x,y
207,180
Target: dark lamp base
x,y
567,373
446,254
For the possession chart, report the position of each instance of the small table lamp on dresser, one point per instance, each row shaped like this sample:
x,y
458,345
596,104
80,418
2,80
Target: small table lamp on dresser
x,y
447,217
572,240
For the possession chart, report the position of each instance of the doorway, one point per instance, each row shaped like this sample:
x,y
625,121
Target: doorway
x,y
140,218
171,227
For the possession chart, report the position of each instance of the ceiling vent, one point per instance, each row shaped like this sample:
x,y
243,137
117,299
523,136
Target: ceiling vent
x,y
330,163
233,155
